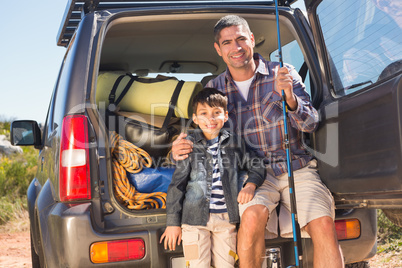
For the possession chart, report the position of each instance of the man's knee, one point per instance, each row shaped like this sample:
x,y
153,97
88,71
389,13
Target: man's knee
x,y
252,225
254,216
322,225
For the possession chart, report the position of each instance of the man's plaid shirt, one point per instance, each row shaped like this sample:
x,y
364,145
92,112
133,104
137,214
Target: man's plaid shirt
x,y
259,120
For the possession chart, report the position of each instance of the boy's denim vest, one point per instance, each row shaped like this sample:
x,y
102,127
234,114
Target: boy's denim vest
x,y
189,193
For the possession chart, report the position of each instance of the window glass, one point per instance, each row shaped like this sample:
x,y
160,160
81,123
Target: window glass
x,y
363,40
292,54
181,76
61,96
48,129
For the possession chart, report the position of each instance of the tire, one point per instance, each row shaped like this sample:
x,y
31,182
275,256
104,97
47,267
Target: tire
x,y
362,264
34,256
394,215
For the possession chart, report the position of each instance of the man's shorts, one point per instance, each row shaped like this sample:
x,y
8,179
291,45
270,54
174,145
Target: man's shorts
x,y
313,199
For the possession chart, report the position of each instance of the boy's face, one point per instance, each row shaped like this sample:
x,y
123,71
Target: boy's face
x,y
210,119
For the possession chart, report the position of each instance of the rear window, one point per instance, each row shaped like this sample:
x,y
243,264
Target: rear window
x,y
363,40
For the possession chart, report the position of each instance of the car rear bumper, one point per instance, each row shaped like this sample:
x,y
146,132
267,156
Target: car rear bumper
x,y
354,250
69,235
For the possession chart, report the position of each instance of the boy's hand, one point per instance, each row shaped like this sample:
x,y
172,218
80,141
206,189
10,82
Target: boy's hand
x,y
172,236
247,193
181,147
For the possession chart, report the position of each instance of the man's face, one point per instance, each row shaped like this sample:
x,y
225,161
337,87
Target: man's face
x,y
235,46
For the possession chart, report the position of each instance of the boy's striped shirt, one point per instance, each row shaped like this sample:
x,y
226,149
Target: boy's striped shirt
x,y
217,203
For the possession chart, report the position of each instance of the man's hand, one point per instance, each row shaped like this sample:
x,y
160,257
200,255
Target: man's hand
x,y
172,236
247,193
284,81
181,147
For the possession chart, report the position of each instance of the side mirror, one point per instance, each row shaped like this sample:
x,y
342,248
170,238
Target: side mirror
x,y
25,133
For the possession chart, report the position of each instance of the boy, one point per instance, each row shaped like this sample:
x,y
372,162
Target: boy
x,y
202,207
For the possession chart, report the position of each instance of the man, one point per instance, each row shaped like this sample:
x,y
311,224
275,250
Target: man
x,y
253,88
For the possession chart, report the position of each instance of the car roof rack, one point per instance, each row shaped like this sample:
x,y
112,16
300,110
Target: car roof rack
x,y
77,9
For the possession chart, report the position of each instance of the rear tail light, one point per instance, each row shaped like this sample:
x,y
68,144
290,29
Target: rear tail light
x,y
115,251
347,229
74,177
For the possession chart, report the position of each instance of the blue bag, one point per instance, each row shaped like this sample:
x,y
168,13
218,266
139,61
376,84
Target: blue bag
x,y
151,180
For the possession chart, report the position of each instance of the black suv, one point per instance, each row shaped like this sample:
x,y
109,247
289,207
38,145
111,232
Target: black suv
x,y
349,55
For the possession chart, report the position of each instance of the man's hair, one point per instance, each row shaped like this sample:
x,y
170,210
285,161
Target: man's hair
x,y
228,21
210,96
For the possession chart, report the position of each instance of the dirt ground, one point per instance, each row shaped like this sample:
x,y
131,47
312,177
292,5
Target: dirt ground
x,y
15,252
386,260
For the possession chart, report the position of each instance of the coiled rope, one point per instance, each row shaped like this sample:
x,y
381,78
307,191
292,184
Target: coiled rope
x,y
128,157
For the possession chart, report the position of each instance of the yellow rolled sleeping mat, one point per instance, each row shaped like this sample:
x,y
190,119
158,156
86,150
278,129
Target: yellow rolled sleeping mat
x,y
151,98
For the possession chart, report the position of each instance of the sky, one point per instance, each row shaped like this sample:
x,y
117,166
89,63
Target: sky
x,y
29,57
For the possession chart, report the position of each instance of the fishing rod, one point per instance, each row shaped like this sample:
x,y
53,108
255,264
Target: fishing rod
x,y
295,223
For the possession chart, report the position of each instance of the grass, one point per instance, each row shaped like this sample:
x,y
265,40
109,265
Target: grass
x,y
12,209
389,243
389,236
16,173
13,215
5,126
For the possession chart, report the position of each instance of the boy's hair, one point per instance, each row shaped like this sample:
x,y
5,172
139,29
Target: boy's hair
x,y
212,97
228,21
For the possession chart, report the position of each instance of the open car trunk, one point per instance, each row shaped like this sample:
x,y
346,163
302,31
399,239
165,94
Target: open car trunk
x,y
148,47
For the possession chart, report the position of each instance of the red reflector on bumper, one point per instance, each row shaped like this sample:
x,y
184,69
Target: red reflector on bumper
x,y
115,251
347,229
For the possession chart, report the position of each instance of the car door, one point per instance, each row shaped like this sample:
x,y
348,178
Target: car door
x,y
358,143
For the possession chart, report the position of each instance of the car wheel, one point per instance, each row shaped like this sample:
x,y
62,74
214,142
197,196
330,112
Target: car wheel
x,y
362,264
394,215
34,256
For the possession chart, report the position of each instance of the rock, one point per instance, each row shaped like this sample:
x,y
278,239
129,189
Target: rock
x,y
6,148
